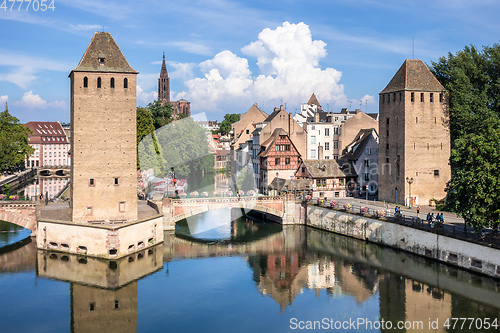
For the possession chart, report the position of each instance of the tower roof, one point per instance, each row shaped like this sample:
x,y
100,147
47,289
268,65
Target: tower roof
x,y
313,100
413,75
103,55
163,66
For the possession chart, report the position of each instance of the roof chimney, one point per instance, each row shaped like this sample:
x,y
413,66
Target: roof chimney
x,y
320,152
316,117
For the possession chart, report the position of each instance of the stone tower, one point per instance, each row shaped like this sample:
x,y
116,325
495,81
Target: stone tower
x,y
414,136
164,83
103,141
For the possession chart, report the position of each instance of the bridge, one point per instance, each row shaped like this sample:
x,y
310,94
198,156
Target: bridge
x,y
54,171
21,213
285,207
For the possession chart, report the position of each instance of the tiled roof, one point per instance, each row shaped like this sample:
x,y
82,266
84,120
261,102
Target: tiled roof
x,y
413,75
323,168
103,46
269,142
290,185
355,148
46,132
313,100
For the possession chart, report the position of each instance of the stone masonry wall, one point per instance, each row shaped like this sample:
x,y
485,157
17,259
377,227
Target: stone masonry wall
x,y
463,254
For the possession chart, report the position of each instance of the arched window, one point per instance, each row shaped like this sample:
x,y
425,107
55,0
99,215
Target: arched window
x,y
112,82
125,83
85,82
98,82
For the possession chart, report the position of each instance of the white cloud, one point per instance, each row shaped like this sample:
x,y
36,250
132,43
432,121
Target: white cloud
x,y
32,101
144,98
368,99
20,76
288,61
24,68
86,27
3,99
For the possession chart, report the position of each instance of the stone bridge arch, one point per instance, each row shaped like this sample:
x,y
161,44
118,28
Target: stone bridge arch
x,y
19,213
284,207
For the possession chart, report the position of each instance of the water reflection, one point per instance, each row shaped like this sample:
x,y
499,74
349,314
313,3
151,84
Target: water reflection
x,y
224,225
103,292
297,272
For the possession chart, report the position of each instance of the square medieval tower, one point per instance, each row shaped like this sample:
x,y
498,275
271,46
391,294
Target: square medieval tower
x,y
414,148
103,140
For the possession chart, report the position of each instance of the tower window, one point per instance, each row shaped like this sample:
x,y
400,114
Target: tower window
x,y
125,83
122,206
422,97
412,97
85,82
431,98
441,97
416,120
388,98
91,181
117,181
400,97
98,82
387,121
89,211
436,173
112,82
102,61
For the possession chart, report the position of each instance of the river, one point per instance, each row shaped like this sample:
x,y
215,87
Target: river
x,y
243,276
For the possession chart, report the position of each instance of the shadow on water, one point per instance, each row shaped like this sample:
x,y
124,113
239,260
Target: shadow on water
x,y
224,226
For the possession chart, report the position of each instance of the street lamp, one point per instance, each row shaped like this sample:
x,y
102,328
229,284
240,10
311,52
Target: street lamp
x,y
277,184
409,181
170,176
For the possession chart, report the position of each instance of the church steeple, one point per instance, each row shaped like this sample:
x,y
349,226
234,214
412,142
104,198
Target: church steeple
x,y
163,66
164,83
6,108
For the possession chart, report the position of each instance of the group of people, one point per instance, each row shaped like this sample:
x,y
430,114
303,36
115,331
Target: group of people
x,y
438,218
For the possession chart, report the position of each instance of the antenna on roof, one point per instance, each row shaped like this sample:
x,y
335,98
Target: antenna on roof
x,y
102,28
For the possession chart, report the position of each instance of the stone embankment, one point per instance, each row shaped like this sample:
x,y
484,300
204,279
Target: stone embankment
x,y
474,257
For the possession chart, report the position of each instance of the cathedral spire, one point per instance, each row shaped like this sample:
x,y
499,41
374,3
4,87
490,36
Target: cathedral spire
x,y
164,83
163,66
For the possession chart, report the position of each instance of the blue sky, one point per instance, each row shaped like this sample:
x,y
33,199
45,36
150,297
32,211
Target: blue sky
x,y
224,55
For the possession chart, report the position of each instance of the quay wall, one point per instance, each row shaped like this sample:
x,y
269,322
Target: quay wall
x,y
474,257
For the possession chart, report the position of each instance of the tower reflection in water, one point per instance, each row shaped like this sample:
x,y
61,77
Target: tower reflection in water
x,y
297,268
103,292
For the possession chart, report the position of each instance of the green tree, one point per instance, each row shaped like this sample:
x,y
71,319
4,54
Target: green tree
x,y
244,179
145,127
184,146
225,125
162,114
14,146
472,79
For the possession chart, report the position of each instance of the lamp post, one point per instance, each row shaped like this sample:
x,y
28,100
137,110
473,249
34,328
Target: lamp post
x,y
170,176
277,184
409,181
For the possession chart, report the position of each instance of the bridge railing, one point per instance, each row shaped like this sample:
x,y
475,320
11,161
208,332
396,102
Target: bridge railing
x,y
468,234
